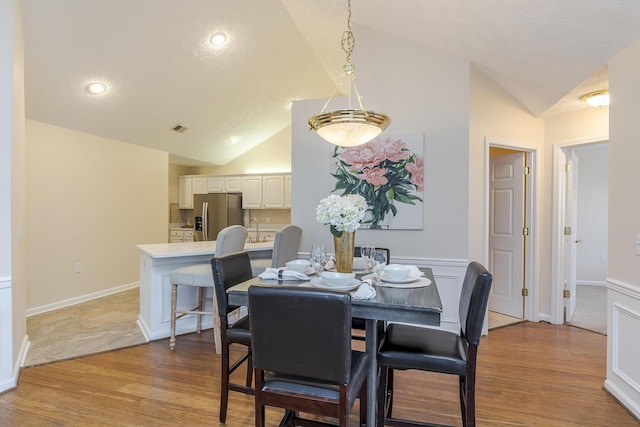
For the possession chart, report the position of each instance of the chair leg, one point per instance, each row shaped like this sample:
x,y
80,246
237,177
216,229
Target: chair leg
x,y
468,402
249,367
224,381
383,402
259,407
200,304
363,404
174,301
389,391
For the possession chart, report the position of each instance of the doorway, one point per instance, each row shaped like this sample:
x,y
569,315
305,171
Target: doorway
x,y
580,240
587,215
512,228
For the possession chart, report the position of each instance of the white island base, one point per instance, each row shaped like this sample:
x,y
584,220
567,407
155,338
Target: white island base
x,y
157,261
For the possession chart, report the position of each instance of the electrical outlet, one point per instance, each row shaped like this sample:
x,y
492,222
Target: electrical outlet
x,y
603,258
638,245
267,220
78,267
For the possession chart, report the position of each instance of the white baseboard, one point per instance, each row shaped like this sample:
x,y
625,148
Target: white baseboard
x,y
590,283
82,298
624,400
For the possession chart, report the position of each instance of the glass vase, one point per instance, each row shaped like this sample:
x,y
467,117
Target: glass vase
x,y
344,251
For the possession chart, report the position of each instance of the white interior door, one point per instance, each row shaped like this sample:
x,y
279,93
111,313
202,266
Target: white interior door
x,y
571,234
506,239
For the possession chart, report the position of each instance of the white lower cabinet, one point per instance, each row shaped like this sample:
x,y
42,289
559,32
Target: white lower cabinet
x,y
178,235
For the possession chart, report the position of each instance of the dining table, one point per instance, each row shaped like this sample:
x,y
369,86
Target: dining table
x,y
415,302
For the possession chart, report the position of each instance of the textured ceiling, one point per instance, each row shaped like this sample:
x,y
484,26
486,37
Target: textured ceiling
x,y
161,72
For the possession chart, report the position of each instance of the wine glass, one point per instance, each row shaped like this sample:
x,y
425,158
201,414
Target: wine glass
x,y
379,259
318,257
365,252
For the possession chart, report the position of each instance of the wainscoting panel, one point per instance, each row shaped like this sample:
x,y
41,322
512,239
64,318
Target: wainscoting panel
x,y
449,275
623,346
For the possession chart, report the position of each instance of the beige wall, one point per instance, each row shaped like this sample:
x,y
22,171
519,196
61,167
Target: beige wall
x,y
624,152
90,200
271,156
497,115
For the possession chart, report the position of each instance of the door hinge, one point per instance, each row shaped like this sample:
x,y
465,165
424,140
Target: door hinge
x,y
525,292
568,167
567,231
525,170
525,231
566,293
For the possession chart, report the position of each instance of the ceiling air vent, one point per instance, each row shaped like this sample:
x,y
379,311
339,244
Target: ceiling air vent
x,y
180,128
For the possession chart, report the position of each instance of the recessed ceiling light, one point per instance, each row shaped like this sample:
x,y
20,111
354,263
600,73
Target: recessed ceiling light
x,y
218,39
96,88
233,140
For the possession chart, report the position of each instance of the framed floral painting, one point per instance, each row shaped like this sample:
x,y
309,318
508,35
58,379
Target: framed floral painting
x,y
389,173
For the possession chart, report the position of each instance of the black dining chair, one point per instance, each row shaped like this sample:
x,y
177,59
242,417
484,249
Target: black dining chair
x,y
358,323
411,347
302,356
229,270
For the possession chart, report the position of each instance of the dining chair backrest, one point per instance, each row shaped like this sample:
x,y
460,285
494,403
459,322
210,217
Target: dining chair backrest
x,y
229,270
356,252
474,298
231,239
302,332
285,245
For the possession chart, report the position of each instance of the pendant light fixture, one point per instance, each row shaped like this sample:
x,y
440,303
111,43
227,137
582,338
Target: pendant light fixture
x,y
349,127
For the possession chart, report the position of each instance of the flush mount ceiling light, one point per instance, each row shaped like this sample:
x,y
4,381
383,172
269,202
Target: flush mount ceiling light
x,y
96,88
599,98
349,127
218,39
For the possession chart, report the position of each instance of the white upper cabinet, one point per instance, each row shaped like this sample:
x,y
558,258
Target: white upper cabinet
x,y
185,193
263,192
252,192
224,184
273,192
199,185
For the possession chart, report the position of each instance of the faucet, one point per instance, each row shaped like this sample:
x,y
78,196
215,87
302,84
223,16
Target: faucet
x,y
257,239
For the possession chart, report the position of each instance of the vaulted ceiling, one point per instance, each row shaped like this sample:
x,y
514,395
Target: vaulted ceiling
x,y
161,70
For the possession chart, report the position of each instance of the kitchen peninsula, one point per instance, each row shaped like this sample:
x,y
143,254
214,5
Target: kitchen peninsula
x,y
157,261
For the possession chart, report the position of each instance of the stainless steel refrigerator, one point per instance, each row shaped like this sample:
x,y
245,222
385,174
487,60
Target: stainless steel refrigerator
x,y
215,211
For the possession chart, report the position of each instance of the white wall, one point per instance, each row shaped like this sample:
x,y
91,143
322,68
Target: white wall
x,y
593,203
13,336
90,200
423,92
623,281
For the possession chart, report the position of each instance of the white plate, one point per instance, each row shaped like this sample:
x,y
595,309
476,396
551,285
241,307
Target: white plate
x,y
417,283
317,282
408,279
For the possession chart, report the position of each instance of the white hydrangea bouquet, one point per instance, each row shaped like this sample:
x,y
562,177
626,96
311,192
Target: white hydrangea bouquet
x,y
342,213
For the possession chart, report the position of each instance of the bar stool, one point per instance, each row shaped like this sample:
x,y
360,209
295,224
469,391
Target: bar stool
x,y
230,239
285,248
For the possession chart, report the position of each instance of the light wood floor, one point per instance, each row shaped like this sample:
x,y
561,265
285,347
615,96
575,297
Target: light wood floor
x,y
529,374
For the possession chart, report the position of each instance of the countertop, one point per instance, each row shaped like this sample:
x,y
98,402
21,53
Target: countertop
x,y
171,250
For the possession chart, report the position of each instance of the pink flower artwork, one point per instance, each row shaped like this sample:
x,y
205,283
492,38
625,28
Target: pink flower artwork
x,y
388,173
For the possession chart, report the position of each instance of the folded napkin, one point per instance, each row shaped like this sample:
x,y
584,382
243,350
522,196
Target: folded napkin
x,y
282,274
330,265
364,291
